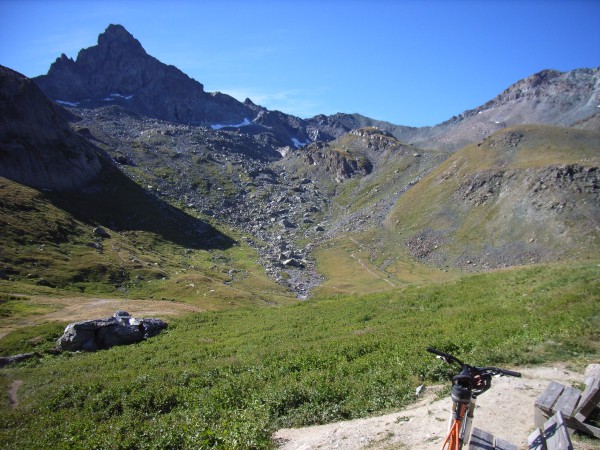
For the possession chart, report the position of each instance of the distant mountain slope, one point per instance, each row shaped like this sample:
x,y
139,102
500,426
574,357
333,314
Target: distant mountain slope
x,y
364,173
37,145
548,98
525,194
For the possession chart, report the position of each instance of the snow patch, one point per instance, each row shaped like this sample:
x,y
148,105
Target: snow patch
x,y
65,103
245,123
126,97
108,99
299,144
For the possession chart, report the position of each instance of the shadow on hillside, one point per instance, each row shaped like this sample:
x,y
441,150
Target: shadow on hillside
x,y
116,202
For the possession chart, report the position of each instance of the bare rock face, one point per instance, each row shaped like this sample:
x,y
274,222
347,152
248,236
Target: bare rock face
x,y
341,166
121,329
37,146
119,71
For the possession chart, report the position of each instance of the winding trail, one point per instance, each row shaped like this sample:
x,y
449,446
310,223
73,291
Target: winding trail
x,y
368,269
12,393
73,309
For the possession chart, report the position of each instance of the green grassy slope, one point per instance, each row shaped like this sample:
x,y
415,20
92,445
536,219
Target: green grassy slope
x,y
525,194
230,378
153,249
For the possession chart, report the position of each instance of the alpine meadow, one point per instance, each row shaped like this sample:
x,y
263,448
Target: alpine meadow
x,y
301,265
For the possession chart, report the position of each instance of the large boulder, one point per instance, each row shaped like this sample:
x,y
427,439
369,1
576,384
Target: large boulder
x,y
121,329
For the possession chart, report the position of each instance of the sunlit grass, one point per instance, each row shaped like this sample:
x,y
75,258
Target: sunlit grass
x,y
229,378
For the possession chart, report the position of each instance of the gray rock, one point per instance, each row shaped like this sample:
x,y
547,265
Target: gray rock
x,y
121,329
7,360
291,263
101,232
287,224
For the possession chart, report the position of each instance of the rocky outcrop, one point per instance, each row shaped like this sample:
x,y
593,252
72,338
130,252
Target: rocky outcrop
x,y
119,71
121,329
37,146
341,166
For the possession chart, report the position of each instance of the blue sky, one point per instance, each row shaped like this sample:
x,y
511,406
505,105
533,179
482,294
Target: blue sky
x,y
408,62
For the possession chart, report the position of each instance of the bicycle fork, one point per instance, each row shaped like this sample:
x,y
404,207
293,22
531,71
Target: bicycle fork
x,y
461,423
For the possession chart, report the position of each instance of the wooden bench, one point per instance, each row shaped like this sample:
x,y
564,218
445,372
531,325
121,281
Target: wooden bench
x,y
554,435
482,440
574,405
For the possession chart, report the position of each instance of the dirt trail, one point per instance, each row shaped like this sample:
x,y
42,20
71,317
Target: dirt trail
x,y
12,392
364,266
84,308
506,410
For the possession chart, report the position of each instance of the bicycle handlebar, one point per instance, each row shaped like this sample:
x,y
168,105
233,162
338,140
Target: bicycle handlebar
x,y
510,373
448,358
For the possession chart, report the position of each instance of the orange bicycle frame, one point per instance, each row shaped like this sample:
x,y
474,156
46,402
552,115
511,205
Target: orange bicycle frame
x,y
455,440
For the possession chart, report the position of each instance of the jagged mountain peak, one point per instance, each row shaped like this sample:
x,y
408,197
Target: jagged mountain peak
x,y
118,71
116,33
116,41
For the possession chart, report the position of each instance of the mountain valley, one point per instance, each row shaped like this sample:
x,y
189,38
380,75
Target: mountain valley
x,y
290,188
303,264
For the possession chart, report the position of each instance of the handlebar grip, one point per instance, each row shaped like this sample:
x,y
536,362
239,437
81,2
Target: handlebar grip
x,y
511,373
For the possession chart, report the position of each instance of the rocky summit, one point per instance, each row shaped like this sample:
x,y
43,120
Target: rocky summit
x,y
119,71
306,194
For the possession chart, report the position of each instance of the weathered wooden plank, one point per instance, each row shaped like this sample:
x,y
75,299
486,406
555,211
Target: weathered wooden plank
x,y
557,434
481,440
567,401
536,440
585,428
501,444
548,398
589,400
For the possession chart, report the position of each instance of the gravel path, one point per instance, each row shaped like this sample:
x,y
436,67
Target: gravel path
x,y
506,410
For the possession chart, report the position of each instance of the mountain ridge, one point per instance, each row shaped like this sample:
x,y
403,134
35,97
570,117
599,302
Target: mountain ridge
x,y
119,71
